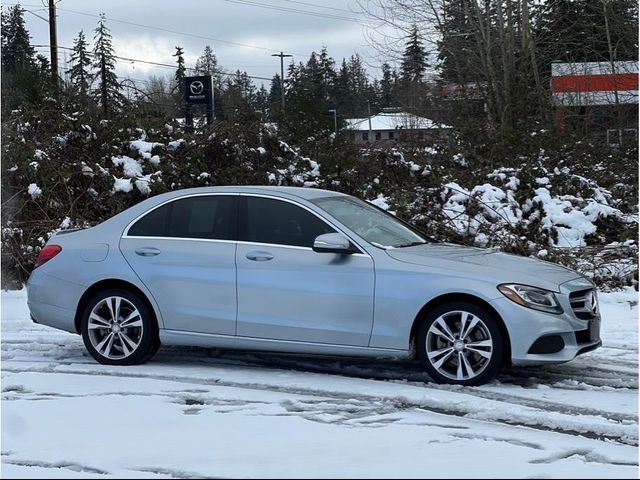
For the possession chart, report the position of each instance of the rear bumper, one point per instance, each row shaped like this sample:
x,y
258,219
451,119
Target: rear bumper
x,y
53,301
525,326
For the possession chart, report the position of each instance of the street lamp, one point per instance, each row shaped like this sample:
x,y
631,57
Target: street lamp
x,y
335,120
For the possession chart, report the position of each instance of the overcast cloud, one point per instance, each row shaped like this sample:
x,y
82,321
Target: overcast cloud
x,y
221,19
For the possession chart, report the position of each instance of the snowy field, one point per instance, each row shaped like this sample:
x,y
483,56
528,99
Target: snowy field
x,y
194,413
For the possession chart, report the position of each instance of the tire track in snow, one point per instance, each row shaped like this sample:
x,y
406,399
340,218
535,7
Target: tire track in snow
x,y
531,417
411,372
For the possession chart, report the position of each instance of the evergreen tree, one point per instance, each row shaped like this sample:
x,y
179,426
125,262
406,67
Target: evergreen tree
x,y
207,64
107,92
310,96
79,75
262,102
179,78
326,70
361,90
412,70
576,31
239,98
342,89
387,87
457,45
275,97
414,60
43,66
353,91
22,78
17,52
181,71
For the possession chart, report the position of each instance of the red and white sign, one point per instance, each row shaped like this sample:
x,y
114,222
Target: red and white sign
x,y
594,83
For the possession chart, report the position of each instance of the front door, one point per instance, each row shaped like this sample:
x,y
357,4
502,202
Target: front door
x,y
184,252
286,291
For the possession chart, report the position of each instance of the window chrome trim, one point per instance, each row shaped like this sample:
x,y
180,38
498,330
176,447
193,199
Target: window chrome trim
x,y
214,240
125,234
293,247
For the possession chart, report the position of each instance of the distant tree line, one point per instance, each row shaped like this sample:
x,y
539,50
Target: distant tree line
x,y
500,49
503,49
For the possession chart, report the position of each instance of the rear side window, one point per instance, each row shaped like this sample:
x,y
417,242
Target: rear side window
x,y
211,217
281,223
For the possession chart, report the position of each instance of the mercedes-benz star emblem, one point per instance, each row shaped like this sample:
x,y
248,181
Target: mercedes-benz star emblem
x,y
196,87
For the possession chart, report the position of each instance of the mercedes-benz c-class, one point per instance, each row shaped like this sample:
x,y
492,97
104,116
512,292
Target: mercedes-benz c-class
x,y
305,271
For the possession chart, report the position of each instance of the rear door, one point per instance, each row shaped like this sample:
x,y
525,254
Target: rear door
x,y
184,252
286,291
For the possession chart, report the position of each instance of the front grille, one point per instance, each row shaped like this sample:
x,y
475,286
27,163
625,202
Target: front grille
x,y
584,304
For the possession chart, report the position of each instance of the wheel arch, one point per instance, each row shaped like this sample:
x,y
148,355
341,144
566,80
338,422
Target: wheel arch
x,y
457,297
107,284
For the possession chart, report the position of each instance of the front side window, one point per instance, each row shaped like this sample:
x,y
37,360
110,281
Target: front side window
x,y
210,217
377,227
278,222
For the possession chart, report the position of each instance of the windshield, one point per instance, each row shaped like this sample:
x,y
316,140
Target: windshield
x,y
376,226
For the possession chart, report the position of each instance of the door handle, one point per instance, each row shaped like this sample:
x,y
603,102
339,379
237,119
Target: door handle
x,y
147,251
259,256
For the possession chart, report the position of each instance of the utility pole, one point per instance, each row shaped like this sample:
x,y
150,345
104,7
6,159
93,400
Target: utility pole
x,y
282,56
53,42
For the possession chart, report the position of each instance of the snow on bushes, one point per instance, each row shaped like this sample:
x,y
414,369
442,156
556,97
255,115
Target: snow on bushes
x,y
34,190
569,202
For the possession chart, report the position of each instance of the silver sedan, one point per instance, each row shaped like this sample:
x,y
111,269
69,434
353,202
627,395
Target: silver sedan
x,y
310,271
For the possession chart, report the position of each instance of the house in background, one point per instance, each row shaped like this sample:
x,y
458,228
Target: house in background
x,y
600,98
391,126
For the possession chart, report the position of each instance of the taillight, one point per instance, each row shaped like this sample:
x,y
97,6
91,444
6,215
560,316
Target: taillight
x,y
47,253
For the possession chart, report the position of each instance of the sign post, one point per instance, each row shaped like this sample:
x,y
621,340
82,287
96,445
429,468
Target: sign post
x,y
198,91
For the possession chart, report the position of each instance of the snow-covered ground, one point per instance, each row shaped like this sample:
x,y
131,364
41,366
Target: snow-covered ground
x,y
201,413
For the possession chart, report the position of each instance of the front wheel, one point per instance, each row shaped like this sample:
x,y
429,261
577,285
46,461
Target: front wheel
x,y
119,329
460,343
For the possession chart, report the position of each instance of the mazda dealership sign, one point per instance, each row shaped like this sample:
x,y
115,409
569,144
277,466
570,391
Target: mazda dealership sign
x,y
199,90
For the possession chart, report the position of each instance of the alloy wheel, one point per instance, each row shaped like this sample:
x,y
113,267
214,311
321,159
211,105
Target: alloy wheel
x,y
459,345
115,328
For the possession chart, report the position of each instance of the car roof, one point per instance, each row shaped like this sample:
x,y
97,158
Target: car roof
x,y
301,192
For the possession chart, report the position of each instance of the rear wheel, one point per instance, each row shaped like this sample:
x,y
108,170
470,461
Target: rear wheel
x,y
119,329
460,343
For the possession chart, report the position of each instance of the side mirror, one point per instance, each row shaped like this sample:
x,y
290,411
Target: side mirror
x,y
332,243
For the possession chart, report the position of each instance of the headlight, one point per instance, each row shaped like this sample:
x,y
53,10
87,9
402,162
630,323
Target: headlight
x,y
531,297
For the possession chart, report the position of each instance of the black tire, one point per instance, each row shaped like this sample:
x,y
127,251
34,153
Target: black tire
x,y
489,369
148,337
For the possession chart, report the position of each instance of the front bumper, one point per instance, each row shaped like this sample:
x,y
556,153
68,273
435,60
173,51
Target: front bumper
x,y
525,326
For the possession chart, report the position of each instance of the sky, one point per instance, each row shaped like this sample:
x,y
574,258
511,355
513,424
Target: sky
x,y
262,31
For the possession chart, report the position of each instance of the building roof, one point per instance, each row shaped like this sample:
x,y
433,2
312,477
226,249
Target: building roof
x,y
393,121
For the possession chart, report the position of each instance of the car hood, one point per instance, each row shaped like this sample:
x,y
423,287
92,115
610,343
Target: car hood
x,y
481,262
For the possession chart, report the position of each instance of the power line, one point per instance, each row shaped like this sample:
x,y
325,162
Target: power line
x,y
160,29
158,64
320,6
295,10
